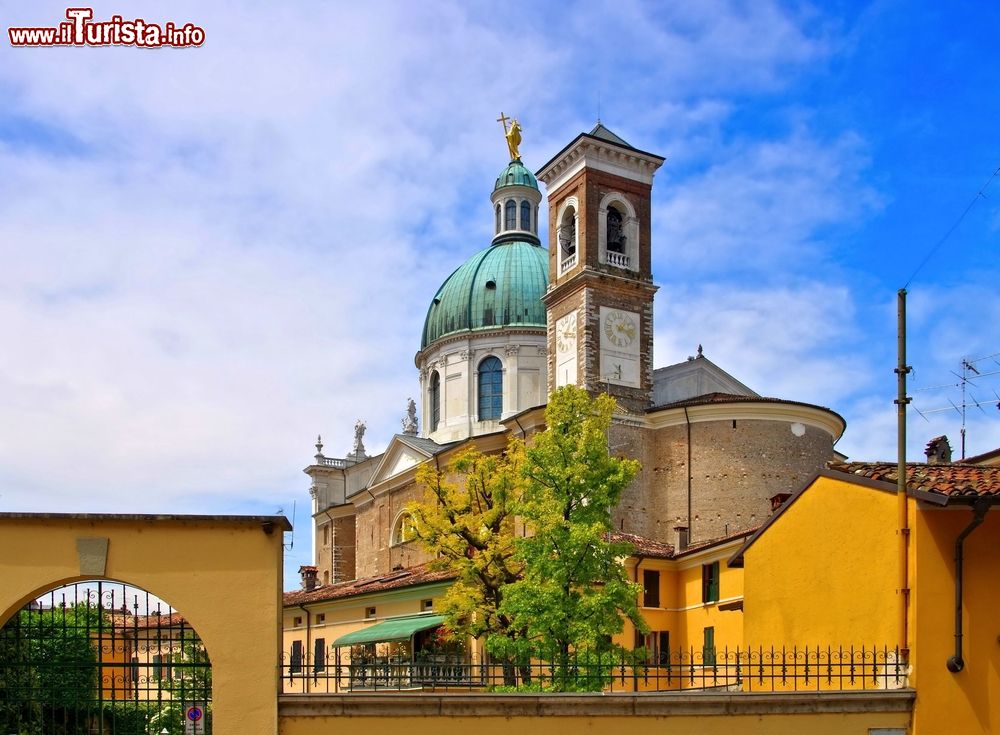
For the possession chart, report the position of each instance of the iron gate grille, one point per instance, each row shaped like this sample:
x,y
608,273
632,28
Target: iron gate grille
x,y
106,658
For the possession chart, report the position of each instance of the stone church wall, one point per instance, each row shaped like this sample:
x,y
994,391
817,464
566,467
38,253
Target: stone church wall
x,y
737,466
376,555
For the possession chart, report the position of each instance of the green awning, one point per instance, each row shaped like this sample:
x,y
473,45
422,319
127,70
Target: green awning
x,y
399,629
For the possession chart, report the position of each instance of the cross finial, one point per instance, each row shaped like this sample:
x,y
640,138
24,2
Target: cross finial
x,y
503,119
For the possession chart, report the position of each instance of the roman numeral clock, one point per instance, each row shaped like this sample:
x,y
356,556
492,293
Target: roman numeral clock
x,y
619,347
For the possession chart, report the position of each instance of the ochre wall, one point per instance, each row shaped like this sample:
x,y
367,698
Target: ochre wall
x,y
967,702
814,724
825,572
679,714
222,574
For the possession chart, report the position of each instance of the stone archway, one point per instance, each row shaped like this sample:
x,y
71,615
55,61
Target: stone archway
x,y
222,572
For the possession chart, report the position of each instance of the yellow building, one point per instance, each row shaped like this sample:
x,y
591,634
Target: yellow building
x,y
913,580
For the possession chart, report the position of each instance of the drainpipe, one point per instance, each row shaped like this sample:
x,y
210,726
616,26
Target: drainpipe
x,y
308,647
903,518
956,663
690,520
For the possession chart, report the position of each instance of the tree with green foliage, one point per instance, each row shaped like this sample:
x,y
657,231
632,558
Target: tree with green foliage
x,y
573,594
49,669
467,522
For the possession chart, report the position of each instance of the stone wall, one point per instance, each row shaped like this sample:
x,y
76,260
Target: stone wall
x,y
736,467
376,555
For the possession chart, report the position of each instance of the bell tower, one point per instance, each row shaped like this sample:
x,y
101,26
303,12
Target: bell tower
x,y
600,296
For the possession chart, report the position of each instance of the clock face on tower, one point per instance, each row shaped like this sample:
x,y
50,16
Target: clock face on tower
x,y
621,328
566,341
566,333
620,344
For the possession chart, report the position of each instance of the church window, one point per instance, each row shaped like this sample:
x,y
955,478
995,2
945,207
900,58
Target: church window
x,y
403,529
435,396
616,231
490,389
526,216
567,233
498,219
510,212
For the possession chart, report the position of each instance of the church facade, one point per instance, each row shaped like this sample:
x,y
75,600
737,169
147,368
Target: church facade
x,y
516,321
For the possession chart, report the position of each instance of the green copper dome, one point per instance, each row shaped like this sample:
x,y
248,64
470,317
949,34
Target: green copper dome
x,y
516,174
501,286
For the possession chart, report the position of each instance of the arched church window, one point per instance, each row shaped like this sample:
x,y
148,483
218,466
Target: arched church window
x,y
525,216
435,396
616,231
510,212
404,529
490,389
567,232
498,219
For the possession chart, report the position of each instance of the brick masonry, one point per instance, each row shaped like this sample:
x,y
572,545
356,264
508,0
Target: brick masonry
x,y
590,284
735,468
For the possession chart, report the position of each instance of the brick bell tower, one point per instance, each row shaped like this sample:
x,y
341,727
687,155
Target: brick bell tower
x,y
600,296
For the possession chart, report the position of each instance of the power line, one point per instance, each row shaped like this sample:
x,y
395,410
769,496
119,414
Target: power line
x,y
981,194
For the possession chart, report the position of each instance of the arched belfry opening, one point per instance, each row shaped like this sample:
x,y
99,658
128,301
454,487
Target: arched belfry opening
x,y
101,656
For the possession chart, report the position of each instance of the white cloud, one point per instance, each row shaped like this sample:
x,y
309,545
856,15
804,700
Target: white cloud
x,y
763,204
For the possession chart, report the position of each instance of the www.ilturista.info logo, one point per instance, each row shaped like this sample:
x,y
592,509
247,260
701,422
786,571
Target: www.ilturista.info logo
x,y
81,30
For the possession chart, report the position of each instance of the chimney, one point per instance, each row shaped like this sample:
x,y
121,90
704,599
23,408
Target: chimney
x,y
308,577
938,451
682,537
778,500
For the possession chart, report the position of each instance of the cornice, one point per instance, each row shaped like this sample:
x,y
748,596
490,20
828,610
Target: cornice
x,y
589,276
597,154
469,334
815,416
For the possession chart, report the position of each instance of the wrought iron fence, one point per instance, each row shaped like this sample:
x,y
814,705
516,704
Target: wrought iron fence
x,y
102,657
733,670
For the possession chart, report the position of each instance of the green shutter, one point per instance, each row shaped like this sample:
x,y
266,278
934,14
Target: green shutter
x,y
708,651
713,592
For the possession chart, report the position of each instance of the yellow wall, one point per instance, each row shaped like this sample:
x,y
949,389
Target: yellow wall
x,y
223,575
814,724
761,718
967,702
340,618
825,572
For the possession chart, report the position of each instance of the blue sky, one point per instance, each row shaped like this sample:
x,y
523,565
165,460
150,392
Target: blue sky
x,y
211,255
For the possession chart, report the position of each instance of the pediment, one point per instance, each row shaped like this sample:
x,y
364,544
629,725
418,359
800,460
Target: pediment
x,y
402,454
695,377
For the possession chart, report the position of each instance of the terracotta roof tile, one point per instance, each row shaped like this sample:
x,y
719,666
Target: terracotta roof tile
x,y
949,480
394,580
643,546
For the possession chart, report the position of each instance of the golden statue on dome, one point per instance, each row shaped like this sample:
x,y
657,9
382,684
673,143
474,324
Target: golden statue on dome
x,y
513,136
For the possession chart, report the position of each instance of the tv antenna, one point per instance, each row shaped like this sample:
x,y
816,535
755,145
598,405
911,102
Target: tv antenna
x,y
970,377
291,534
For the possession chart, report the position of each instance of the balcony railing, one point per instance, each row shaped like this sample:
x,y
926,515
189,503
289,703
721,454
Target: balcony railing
x,y
732,670
618,259
340,464
567,263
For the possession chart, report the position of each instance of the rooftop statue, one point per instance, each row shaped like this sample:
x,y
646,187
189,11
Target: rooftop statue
x,y
513,135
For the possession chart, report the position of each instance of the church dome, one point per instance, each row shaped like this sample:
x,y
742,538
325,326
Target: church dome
x,y
501,286
516,174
